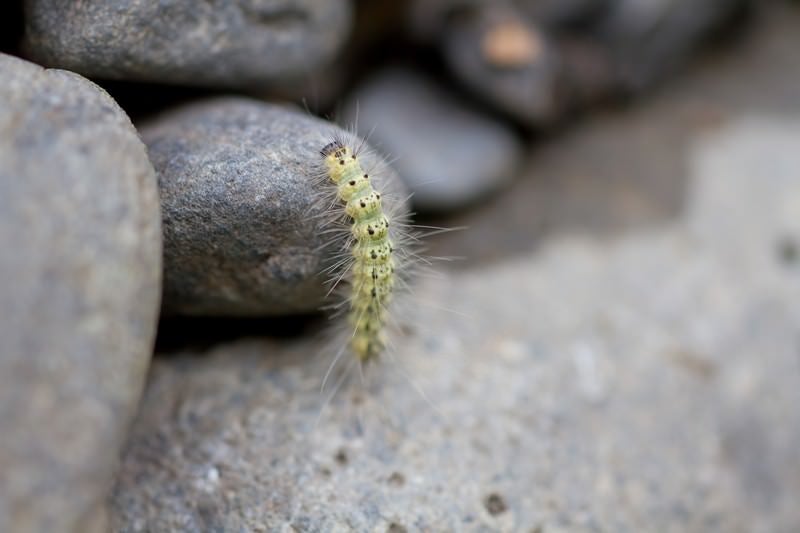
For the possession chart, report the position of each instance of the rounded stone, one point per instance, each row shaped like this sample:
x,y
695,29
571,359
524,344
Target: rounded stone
x,y
231,43
448,154
539,61
527,89
648,41
563,13
79,281
240,189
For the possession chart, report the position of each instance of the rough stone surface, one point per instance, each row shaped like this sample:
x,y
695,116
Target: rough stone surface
x,y
447,154
79,283
239,184
229,43
644,384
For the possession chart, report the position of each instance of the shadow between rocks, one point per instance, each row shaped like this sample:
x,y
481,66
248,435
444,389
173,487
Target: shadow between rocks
x,y
200,334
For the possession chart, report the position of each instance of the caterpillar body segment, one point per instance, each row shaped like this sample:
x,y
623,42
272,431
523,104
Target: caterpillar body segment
x,y
372,258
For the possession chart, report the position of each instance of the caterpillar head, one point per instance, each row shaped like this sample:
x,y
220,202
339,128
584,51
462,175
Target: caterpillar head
x,y
338,160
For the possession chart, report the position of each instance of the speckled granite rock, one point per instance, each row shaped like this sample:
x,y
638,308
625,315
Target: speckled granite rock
x,y
447,154
238,186
647,384
231,43
79,284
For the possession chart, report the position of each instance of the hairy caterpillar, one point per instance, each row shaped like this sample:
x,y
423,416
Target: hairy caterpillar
x,y
376,252
372,254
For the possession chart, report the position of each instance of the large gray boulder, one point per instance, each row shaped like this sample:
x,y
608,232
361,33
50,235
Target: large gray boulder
x,y
80,270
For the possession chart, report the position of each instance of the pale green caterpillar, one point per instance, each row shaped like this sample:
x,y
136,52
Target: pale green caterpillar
x,y
372,258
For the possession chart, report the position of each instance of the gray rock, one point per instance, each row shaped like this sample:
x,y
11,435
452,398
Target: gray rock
x,y
429,18
447,154
563,13
508,60
239,186
649,40
512,55
232,43
645,384
79,281
539,60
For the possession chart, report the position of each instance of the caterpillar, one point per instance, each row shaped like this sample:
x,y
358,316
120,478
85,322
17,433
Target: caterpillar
x,y
377,251
369,251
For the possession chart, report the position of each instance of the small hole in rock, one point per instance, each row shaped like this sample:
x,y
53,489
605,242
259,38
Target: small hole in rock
x,y
495,504
397,479
341,457
394,527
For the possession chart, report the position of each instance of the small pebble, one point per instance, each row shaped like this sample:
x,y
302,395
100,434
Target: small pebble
x,y
448,154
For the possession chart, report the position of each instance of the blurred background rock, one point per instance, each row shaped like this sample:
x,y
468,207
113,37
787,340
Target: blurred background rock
x,y
520,64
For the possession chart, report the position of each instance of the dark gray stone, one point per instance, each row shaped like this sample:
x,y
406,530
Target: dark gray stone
x,y
79,283
239,185
563,13
447,154
513,55
650,40
428,18
551,58
228,43
524,84
649,383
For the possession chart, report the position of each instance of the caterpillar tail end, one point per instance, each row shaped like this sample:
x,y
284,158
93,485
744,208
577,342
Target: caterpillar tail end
x,y
367,347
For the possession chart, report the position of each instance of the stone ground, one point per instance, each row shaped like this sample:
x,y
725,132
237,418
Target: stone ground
x,y
625,354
